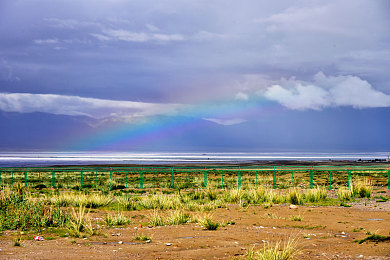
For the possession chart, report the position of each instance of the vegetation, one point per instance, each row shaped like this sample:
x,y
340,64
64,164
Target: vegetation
x,y
116,219
142,237
278,251
375,238
207,222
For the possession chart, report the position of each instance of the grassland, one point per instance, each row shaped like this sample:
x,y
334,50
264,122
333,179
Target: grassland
x,y
95,213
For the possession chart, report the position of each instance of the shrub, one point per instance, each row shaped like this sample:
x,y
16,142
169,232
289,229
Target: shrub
x,y
207,222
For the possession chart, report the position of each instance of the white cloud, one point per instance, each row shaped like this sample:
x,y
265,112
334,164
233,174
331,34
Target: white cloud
x,y
100,37
81,106
152,27
69,23
241,96
220,121
46,41
129,36
327,91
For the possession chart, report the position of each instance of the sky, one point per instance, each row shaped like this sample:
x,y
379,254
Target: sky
x,y
121,75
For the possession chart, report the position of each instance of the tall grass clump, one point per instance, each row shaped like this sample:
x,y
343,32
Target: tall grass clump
x,y
160,201
116,219
127,203
155,219
275,197
79,222
207,222
210,193
344,194
233,195
178,217
256,196
75,199
317,194
294,196
361,189
276,251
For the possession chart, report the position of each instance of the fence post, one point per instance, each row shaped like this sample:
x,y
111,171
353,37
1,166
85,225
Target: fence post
x,y
67,179
349,177
330,180
189,180
141,179
292,178
126,178
369,178
81,178
53,178
173,178
110,177
274,178
222,180
96,179
256,179
388,179
25,177
205,177
239,177
157,177
12,178
311,177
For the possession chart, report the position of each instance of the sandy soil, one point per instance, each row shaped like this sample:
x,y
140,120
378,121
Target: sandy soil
x,y
325,232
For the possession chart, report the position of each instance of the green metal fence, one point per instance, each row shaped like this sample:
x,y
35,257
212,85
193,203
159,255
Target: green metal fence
x,y
146,177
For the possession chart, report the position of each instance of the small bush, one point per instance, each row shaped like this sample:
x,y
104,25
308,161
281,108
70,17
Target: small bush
x,y
142,237
296,218
208,223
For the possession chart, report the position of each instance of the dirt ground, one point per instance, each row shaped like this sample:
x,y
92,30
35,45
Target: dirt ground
x,y
325,232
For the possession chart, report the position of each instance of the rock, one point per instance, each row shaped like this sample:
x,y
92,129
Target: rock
x,y
292,206
120,242
168,244
147,241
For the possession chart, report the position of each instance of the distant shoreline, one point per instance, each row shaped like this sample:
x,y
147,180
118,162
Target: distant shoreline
x,y
238,163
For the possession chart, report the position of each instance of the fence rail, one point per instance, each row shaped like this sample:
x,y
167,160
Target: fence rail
x,y
142,177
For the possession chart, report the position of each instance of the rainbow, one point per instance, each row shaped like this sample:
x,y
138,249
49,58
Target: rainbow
x,y
157,128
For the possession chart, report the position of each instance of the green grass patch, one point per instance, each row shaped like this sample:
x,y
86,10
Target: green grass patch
x,y
375,238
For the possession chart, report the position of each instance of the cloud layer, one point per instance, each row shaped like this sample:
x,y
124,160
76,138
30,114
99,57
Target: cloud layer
x,y
81,106
327,91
